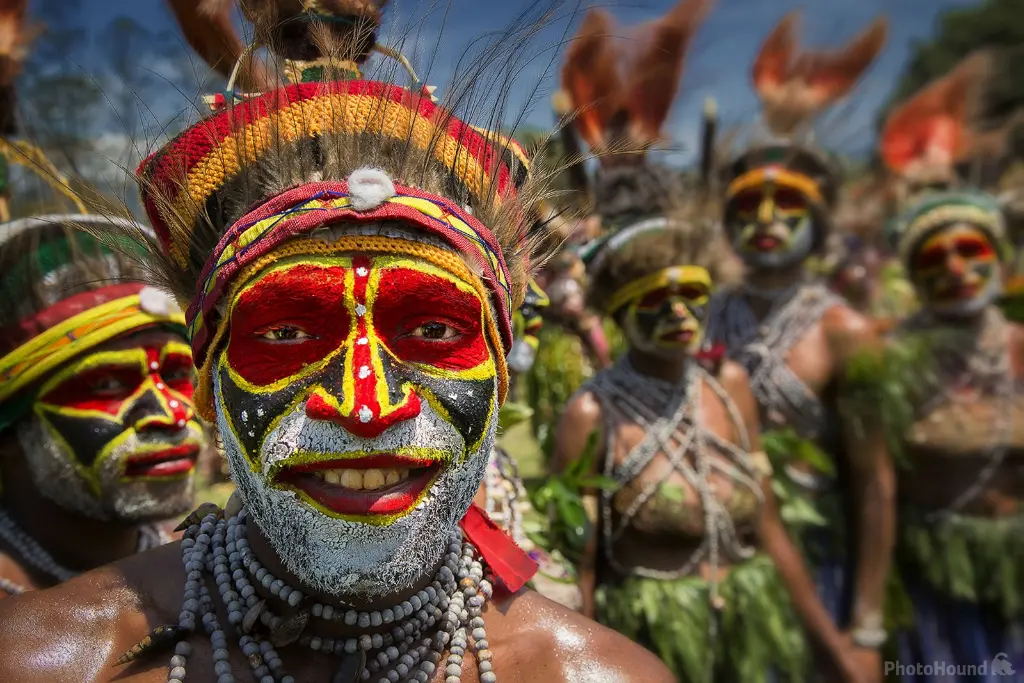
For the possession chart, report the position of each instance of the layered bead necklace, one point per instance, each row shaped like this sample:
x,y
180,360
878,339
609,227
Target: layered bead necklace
x,y
28,550
402,643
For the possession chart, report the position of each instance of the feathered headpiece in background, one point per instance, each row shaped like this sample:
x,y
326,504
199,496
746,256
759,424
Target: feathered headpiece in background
x,y
621,92
925,137
794,85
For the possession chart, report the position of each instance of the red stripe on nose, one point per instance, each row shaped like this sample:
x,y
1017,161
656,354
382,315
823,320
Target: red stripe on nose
x,y
177,412
366,418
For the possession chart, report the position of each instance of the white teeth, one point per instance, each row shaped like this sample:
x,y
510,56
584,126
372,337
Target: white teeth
x,y
369,480
373,479
351,479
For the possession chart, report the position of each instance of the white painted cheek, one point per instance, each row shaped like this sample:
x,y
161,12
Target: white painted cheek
x,y
54,473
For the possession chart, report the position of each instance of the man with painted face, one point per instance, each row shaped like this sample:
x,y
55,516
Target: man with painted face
x,y
98,439
959,365
690,556
352,254
796,338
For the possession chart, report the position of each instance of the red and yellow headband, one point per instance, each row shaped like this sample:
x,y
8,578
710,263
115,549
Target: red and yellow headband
x,y
314,205
777,175
74,326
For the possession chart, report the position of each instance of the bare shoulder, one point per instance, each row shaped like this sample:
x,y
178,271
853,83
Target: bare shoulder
x,y
733,376
1017,348
583,409
75,631
849,331
545,641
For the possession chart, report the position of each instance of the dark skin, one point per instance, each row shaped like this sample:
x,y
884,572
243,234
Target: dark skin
x,y
584,416
819,359
533,639
935,480
77,542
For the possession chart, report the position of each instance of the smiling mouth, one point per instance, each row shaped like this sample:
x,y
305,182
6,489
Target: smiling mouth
x,y
168,463
373,485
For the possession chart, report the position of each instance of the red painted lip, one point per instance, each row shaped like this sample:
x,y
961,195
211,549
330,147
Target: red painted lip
x,y
389,500
679,336
166,463
766,242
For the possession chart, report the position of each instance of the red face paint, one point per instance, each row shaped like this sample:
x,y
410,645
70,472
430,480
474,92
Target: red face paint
x,y
305,302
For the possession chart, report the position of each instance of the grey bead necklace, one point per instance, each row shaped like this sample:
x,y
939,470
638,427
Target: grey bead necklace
x,y
32,554
672,417
403,643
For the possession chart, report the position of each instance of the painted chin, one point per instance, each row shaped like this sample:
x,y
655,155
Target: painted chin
x,y
167,464
377,485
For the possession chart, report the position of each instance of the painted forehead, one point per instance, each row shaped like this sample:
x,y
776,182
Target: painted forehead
x,y
954,232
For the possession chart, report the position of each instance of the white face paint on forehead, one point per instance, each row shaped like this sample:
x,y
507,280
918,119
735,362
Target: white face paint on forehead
x,y
342,557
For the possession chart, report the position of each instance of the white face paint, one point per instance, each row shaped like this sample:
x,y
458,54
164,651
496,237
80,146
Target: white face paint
x,y
102,492
342,557
966,307
794,251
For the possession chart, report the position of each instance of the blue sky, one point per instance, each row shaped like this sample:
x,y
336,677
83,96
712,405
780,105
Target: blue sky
x,y
718,65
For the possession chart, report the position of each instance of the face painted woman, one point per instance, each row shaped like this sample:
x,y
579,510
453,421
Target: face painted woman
x,y
99,432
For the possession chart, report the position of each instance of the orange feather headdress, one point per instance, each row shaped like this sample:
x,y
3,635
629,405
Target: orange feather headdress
x,y
796,85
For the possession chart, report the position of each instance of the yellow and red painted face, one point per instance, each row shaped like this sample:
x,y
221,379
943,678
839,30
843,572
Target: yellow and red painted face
x,y
367,343
131,400
956,266
664,312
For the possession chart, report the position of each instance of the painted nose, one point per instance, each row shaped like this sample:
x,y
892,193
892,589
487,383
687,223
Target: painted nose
x,y
362,419
766,211
955,264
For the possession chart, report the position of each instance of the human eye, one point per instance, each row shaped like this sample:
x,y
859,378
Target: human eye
x,y
285,333
435,331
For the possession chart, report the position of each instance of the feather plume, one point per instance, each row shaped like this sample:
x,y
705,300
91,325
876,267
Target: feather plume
x,y
590,75
794,86
927,135
656,71
624,90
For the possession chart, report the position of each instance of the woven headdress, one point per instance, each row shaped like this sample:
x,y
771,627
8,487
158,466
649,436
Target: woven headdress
x,y
622,92
235,187
939,209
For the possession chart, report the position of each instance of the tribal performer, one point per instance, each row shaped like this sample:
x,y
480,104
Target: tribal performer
x,y
352,253
98,438
796,338
961,492
690,556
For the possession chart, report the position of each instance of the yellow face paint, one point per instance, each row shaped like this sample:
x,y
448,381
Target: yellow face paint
x,y
663,312
378,350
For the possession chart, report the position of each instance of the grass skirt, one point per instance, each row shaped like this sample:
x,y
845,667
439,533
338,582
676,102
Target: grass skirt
x,y
965,579
759,639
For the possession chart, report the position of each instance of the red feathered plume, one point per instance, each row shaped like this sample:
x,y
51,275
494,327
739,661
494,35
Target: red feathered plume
x,y
925,136
794,85
626,87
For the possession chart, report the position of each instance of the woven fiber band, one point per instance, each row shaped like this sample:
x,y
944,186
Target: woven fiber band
x,y
306,208
946,208
657,280
69,336
778,175
195,165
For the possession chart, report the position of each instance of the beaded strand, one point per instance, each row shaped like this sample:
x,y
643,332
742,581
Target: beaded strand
x,y
446,615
